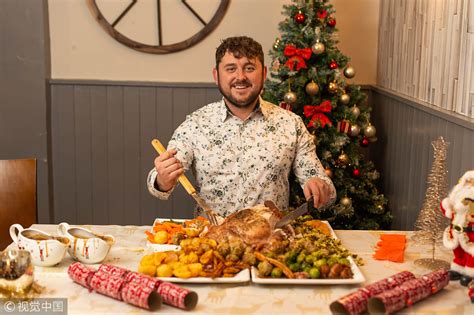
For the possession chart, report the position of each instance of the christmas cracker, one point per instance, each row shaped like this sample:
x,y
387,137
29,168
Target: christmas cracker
x,y
408,293
356,302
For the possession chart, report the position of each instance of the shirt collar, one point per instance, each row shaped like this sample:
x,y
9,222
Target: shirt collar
x,y
224,111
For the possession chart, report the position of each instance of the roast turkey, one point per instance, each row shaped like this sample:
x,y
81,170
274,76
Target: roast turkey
x,y
255,226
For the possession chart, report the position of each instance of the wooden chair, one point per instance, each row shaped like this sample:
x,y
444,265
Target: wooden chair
x,y
17,196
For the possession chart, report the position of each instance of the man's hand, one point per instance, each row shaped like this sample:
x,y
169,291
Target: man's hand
x,y
319,189
169,169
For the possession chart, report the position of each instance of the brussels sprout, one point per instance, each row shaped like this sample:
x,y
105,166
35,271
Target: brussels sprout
x,y
318,263
300,257
309,259
290,257
314,273
295,267
249,258
276,272
332,261
177,238
305,265
271,255
323,252
237,247
264,268
223,249
344,261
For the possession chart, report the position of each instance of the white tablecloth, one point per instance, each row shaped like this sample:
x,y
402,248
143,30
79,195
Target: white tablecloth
x,y
249,298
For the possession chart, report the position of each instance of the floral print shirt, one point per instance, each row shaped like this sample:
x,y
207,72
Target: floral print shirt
x,y
241,163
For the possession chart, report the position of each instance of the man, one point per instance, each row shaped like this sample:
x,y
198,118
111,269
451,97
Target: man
x,y
242,148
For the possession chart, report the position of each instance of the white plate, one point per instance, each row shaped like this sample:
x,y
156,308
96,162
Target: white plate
x,y
162,247
358,276
242,276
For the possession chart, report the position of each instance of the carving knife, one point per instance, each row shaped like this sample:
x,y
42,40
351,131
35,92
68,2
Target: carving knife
x,y
294,214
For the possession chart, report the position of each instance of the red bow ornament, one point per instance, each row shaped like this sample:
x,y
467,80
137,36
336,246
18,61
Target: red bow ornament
x,y
316,112
322,14
286,106
297,57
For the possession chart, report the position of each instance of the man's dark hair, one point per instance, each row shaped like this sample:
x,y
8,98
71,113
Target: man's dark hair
x,y
239,46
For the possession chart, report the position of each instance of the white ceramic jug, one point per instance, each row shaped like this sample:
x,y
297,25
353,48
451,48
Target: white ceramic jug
x,y
86,246
45,249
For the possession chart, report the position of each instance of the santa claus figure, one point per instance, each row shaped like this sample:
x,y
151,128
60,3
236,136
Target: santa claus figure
x,y
459,235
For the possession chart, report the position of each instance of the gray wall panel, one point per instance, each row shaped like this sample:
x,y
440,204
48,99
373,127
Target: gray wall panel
x,y
116,153
24,111
99,156
149,124
83,151
64,147
406,129
132,184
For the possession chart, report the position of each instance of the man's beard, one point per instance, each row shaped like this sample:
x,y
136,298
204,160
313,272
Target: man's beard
x,y
244,103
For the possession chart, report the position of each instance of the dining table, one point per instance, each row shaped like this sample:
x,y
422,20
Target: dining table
x,y
249,297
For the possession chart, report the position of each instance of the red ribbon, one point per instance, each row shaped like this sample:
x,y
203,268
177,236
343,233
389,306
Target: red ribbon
x,y
297,56
316,112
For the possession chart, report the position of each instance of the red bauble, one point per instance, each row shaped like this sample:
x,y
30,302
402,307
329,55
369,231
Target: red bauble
x,y
299,18
333,65
364,142
356,172
331,22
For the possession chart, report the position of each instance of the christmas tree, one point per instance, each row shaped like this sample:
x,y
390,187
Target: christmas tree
x,y
431,222
309,76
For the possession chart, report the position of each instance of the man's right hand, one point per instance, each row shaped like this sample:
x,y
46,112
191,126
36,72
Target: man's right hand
x,y
169,169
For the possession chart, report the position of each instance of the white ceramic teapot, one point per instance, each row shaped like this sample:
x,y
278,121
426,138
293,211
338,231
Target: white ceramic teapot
x,y
86,246
45,249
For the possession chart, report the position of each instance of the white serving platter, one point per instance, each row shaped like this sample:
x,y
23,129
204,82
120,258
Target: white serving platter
x,y
358,276
242,276
163,247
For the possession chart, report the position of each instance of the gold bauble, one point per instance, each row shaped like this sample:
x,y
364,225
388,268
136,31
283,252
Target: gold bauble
x,y
332,87
328,172
345,201
355,111
277,42
369,131
349,72
312,88
290,97
343,159
344,98
318,48
354,131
